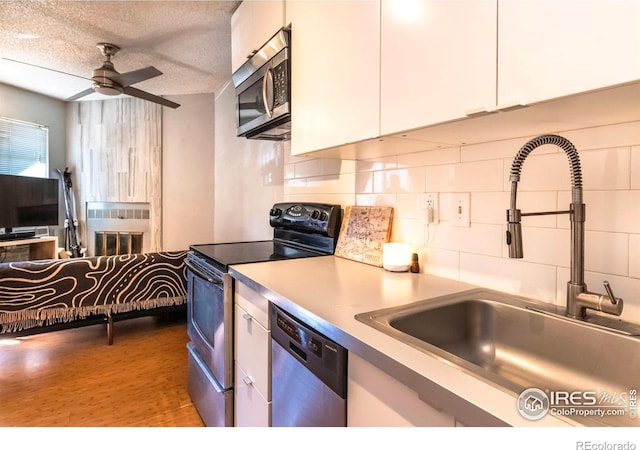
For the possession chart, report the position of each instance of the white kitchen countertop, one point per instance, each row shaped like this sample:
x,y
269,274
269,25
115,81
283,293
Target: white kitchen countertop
x,y
327,292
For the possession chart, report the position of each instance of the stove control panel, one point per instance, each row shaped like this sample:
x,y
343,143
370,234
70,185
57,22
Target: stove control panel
x,y
319,218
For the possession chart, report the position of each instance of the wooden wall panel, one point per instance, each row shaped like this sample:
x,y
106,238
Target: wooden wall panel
x,y
115,155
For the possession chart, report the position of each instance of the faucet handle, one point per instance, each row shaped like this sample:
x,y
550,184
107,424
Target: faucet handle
x,y
607,287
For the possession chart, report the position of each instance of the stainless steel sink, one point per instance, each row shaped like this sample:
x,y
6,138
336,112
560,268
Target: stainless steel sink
x,y
517,344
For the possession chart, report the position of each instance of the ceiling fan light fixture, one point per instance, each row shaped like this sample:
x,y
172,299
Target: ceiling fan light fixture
x,y
107,90
106,80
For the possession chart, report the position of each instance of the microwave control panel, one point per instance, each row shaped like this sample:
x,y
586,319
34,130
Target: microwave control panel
x,y
280,84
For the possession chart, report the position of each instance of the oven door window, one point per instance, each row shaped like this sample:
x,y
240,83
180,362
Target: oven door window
x,y
207,301
206,325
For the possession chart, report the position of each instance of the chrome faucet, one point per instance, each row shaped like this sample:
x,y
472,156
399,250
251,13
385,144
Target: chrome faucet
x,y
579,299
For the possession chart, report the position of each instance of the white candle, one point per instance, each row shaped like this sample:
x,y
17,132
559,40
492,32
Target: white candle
x,y
396,256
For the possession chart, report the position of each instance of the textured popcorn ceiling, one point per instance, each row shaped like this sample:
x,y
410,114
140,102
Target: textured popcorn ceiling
x,y
189,41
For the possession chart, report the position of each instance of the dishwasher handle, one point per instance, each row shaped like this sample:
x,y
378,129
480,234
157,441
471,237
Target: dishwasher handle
x,y
298,351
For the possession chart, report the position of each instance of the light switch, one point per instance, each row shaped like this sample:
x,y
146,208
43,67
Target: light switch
x,y
461,209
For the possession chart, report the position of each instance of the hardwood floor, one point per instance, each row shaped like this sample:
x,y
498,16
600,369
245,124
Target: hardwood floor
x,y
73,378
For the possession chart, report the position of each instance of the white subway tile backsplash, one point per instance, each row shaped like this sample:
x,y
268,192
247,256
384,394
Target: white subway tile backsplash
x,y
331,184
478,176
610,160
295,186
364,182
478,238
333,199
507,148
289,171
635,167
613,211
376,200
634,255
409,231
489,207
605,169
537,281
383,163
408,206
543,245
440,262
399,180
617,135
449,155
606,252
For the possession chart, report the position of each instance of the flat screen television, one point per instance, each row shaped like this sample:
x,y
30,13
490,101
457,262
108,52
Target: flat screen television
x,y
27,202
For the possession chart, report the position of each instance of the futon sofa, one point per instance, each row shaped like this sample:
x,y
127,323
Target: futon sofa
x,y
38,296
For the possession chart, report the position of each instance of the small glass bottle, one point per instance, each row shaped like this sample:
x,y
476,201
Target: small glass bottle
x,y
415,265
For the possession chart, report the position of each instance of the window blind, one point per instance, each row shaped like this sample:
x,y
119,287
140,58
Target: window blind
x,y
24,148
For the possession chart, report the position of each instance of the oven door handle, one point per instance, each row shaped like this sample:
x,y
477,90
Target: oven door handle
x,y
200,274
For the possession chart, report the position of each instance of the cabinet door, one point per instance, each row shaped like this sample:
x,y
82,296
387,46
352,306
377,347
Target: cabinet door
x,y
253,351
251,409
438,61
335,72
252,24
376,399
548,49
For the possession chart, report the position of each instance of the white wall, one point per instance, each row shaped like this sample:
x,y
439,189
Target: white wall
x,y
249,177
610,158
188,172
35,108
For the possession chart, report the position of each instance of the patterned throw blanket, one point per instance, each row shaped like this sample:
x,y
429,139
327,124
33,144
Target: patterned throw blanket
x,y
41,293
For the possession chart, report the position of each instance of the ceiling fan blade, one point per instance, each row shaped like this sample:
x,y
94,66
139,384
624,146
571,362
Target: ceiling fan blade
x,y
147,96
81,94
45,68
136,76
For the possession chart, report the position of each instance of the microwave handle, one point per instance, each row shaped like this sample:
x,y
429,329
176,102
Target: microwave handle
x,y
267,91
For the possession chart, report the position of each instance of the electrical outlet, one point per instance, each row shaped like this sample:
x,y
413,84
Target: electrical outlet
x,y
430,203
461,205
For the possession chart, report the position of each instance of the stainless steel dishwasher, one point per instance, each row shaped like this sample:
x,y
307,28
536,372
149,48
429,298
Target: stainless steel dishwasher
x,y
309,375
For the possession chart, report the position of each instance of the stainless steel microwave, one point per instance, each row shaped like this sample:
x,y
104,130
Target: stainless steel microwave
x,y
263,87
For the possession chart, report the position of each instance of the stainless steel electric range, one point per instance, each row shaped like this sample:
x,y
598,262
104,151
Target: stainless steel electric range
x,y
300,230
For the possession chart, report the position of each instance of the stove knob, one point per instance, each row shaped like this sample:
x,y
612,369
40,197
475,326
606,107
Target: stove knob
x,y
275,212
324,216
315,214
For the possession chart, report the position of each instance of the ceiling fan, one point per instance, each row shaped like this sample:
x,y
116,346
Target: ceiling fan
x,y
108,81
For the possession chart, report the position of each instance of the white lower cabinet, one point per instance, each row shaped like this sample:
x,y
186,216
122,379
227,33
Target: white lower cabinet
x,y
376,399
253,359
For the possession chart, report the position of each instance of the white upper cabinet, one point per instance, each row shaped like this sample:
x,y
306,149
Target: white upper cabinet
x,y
438,61
549,49
252,24
335,72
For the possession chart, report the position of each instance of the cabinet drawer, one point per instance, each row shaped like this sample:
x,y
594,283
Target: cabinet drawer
x,y
253,351
252,410
253,303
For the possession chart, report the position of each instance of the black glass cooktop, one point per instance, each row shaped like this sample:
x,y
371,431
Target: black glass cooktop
x,y
227,254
